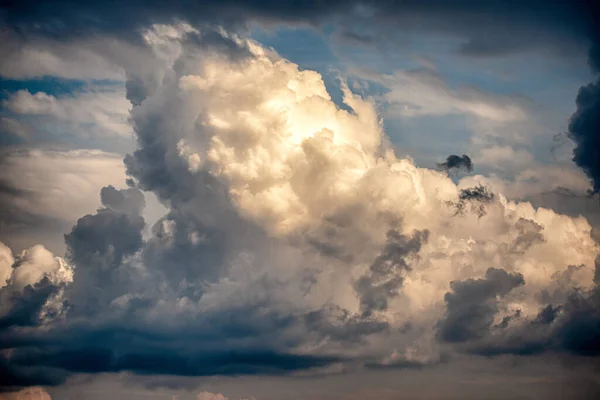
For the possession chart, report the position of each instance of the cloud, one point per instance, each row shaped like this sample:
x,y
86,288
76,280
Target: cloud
x,y
32,393
26,58
473,303
584,126
45,191
420,100
504,158
295,239
476,198
484,29
6,262
454,161
214,396
210,396
33,293
532,181
419,92
385,274
36,263
96,114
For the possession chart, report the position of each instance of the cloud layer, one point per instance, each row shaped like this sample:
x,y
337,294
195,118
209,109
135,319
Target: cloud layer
x,y
295,240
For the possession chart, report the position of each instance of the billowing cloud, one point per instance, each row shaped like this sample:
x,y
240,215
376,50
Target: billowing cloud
x,y
295,239
584,127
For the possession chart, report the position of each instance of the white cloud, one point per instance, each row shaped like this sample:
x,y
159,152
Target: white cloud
x,y
33,266
75,59
6,262
306,171
36,263
99,112
414,93
60,184
533,179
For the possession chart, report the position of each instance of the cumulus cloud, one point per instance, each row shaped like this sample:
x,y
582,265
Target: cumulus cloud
x,y
33,292
295,238
37,263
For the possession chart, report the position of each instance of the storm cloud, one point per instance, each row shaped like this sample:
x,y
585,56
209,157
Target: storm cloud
x,y
457,162
584,127
295,239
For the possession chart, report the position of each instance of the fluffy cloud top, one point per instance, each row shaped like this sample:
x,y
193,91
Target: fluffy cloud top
x,y
295,239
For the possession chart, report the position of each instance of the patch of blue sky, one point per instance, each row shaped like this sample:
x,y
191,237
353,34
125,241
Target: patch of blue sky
x,y
544,79
429,139
548,79
54,86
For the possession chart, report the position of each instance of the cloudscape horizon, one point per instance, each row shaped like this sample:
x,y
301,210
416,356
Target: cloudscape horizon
x,y
222,200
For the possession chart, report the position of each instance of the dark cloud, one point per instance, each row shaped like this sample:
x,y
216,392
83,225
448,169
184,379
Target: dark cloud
x,y
476,198
25,306
71,17
341,326
529,233
483,29
385,278
487,28
547,315
584,126
243,340
584,129
109,327
570,326
128,201
578,328
106,235
185,249
98,245
454,161
473,303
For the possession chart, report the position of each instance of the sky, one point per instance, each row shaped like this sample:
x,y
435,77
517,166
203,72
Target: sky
x,y
316,200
